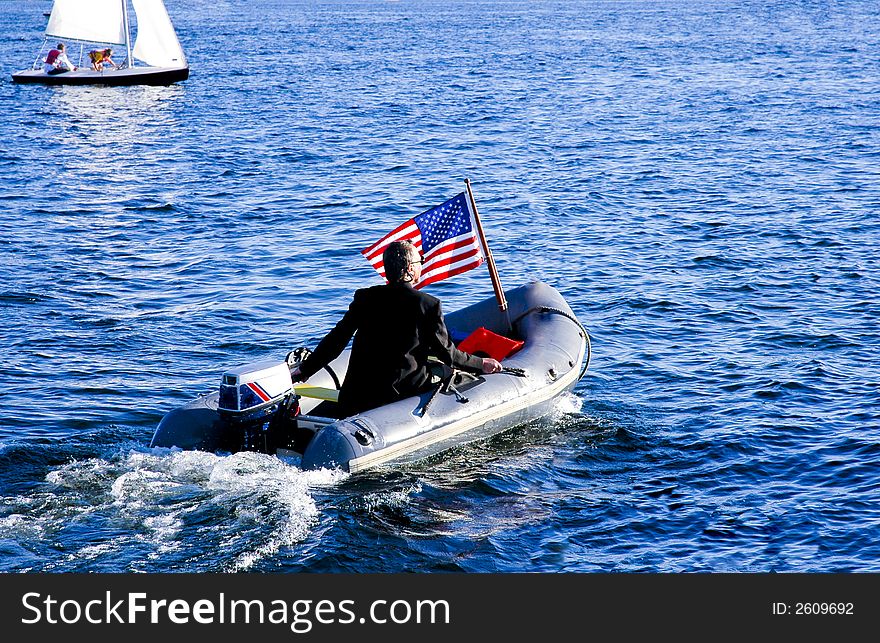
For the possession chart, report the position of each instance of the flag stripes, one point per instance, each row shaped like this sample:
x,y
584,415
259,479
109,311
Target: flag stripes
x,y
445,236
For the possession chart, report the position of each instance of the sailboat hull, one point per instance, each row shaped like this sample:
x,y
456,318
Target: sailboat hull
x,y
131,76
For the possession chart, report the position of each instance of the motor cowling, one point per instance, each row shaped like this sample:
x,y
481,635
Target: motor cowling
x,y
250,392
259,400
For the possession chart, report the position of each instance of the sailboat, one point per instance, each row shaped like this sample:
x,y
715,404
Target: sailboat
x,y
155,58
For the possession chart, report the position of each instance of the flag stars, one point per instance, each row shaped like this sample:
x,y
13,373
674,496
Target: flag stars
x,y
443,222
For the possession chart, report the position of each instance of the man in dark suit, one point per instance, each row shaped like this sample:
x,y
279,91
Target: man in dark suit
x,y
396,328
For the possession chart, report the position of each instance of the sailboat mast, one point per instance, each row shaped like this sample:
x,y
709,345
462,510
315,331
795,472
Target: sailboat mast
x,y
125,22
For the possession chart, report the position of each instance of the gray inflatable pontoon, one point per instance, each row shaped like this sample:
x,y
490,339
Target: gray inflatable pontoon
x,y
258,408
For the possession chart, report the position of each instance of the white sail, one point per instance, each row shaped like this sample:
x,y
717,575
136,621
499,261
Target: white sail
x,y
156,43
89,20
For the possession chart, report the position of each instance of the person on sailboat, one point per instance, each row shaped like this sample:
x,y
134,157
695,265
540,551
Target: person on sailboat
x,y
396,329
102,57
57,61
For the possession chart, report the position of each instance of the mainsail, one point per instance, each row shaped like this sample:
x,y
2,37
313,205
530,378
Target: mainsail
x,y
156,43
88,20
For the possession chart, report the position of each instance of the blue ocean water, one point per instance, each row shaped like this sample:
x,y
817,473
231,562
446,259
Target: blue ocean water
x,y
698,178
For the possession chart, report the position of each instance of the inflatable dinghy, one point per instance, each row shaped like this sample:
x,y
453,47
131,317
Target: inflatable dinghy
x,y
544,349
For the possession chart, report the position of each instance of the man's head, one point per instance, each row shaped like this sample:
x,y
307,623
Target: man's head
x,y
402,262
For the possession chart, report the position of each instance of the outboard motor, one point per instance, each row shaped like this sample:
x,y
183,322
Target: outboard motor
x,y
259,401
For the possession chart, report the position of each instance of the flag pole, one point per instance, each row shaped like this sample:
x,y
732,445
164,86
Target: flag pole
x,y
493,272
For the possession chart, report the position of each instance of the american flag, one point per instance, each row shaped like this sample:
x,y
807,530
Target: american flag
x,y
445,236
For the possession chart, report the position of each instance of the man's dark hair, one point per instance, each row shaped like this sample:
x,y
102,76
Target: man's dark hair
x,y
397,257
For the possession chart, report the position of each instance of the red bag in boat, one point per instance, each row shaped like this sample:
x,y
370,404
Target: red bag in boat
x,y
484,343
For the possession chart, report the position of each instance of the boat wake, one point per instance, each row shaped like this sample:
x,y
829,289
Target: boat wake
x,y
567,403
130,511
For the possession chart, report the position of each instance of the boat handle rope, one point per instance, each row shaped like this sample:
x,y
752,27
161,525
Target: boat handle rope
x,y
446,386
558,311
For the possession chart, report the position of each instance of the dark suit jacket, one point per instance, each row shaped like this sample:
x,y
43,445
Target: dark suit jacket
x,y
395,329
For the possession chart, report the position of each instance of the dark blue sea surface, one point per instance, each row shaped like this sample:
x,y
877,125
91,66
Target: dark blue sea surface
x,y
700,179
